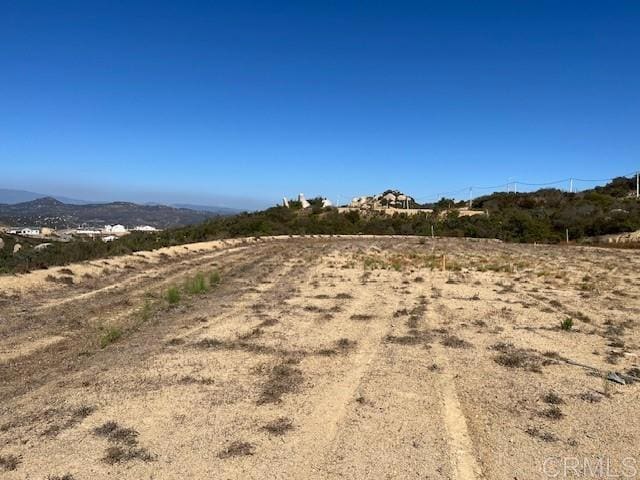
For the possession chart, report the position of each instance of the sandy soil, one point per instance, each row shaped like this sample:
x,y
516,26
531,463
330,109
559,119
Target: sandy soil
x,y
324,358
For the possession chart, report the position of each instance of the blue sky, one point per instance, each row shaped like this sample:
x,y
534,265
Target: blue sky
x,y
238,103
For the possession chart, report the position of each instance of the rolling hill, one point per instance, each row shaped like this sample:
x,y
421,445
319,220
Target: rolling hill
x,y
53,213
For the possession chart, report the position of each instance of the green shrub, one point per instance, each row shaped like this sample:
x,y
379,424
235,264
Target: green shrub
x,y
173,295
566,324
196,285
110,335
146,311
214,278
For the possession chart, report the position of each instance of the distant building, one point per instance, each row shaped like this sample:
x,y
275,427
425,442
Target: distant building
x,y
28,232
145,228
303,201
109,238
86,231
115,229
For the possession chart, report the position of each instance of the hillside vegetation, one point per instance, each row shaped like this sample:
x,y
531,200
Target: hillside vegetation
x,y
541,216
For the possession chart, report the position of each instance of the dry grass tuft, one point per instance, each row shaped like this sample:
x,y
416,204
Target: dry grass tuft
x,y
9,462
453,341
283,379
279,426
117,434
120,454
552,413
237,449
513,357
552,398
126,440
361,317
544,436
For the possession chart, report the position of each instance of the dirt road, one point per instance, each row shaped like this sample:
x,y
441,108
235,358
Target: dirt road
x,y
323,358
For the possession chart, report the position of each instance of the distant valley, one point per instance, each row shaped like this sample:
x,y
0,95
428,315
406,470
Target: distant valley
x,y
53,213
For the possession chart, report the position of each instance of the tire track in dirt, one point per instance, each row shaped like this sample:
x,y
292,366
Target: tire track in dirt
x,y
333,396
176,269
28,371
460,443
113,305
392,428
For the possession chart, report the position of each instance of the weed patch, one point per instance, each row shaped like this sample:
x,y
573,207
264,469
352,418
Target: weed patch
x,y
237,449
544,436
279,426
513,357
9,462
552,413
117,434
214,278
126,444
361,317
552,398
566,324
120,454
196,285
110,335
343,296
283,379
173,295
453,341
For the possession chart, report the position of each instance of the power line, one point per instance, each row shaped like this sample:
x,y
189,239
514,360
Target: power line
x,y
515,183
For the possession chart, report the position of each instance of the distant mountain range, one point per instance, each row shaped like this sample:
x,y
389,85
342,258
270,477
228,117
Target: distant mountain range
x,y
10,196
52,212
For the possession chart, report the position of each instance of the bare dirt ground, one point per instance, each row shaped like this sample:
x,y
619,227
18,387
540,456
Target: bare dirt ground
x,y
324,358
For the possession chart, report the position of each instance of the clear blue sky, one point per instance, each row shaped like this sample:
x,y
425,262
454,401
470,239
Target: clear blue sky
x,y
238,103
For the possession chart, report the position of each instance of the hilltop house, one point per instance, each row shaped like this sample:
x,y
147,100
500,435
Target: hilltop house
x,y
115,229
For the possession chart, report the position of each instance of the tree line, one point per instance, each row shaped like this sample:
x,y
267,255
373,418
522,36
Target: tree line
x,y
541,216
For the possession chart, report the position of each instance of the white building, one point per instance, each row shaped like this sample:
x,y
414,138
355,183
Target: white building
x,y
303,201
109,238
115,229
28,232
145,228
86,231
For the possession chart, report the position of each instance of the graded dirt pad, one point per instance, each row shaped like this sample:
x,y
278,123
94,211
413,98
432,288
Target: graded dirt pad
x,y
324,358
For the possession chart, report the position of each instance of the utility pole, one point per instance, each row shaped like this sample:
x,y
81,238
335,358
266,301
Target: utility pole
x,y
567,232
515,187
470,196
637,184
571,185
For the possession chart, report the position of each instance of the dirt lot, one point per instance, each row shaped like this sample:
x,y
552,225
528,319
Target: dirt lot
x,y
324,358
